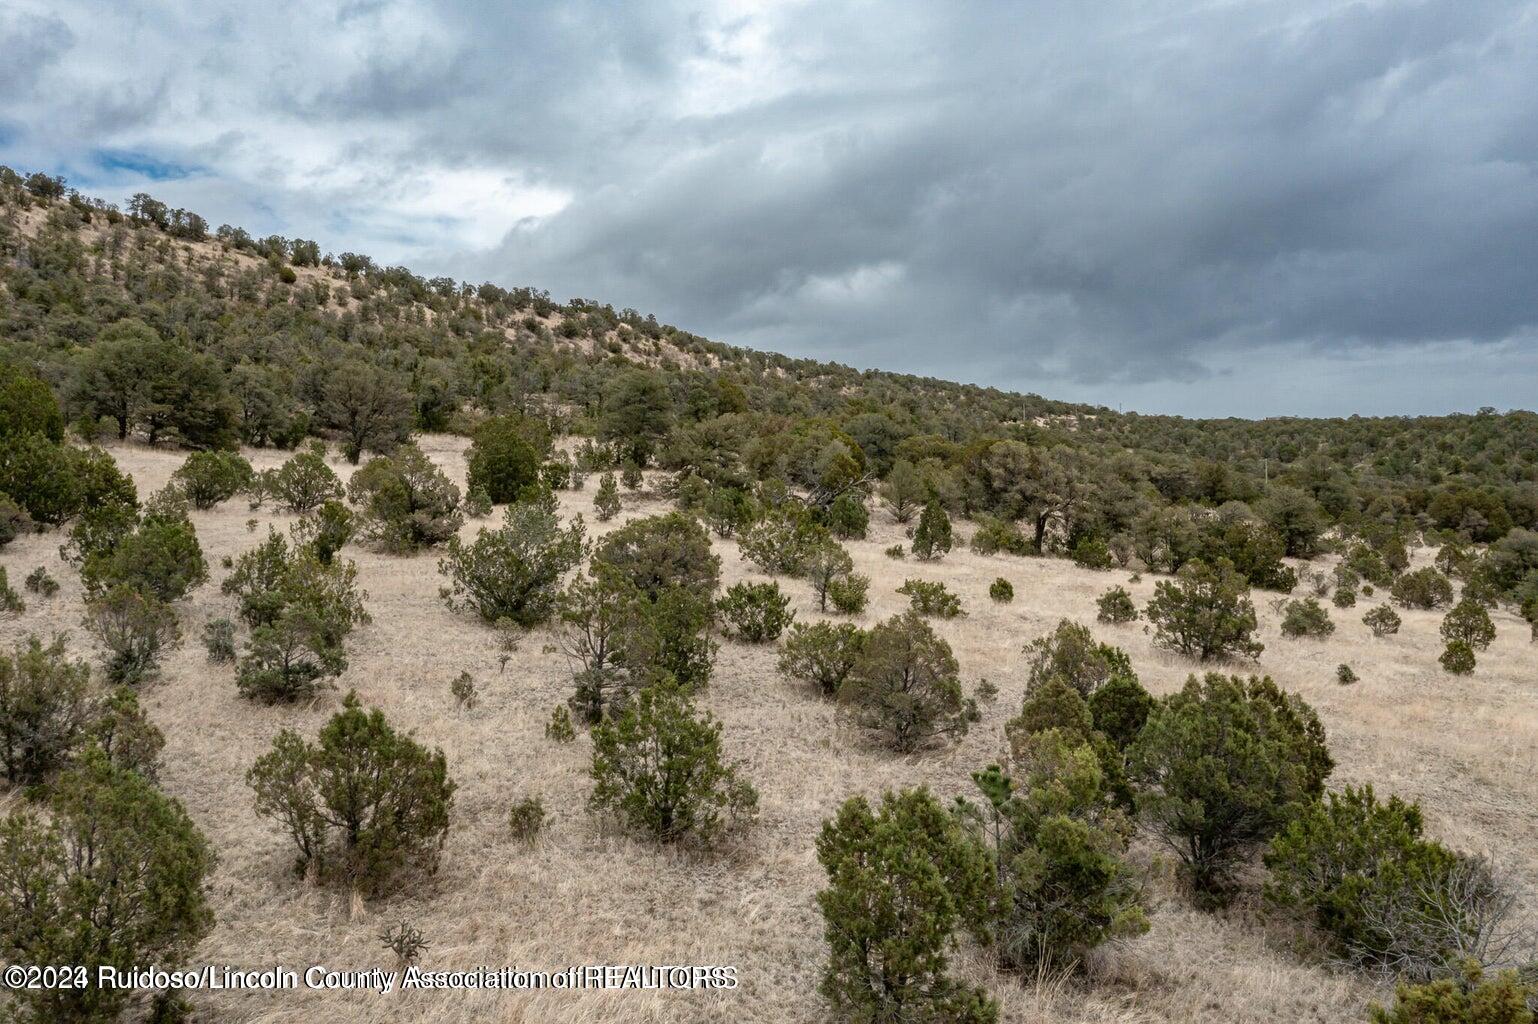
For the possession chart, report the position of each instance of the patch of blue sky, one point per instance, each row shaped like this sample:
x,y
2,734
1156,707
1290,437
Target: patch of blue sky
x,y
140,164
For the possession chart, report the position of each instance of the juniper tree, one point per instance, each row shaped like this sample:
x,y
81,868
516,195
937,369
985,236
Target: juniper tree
x,y
658,767
46,707
302,483
1424,588
1115,606
207,478
134,631
160,557
1205,613
404,502
756,612
363,804
903,490
932,537
606,503
1382,620
823,654
657,552
126,735
114,878
300,613
598,614
825,564
1071,653
1468,623
902,881
1306,618
513,572
1058,845
503,458
1387,897
1223,763
784,540
905,687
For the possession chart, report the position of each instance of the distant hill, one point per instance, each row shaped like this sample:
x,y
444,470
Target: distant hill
x,y
277,330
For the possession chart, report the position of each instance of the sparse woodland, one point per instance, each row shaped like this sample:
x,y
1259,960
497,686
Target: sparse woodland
x,y
346,615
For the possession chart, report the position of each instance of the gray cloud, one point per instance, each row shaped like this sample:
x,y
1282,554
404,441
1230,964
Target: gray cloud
x,y
1236,208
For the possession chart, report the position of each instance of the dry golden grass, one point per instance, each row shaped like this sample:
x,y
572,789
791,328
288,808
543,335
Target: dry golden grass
x,y
1467,748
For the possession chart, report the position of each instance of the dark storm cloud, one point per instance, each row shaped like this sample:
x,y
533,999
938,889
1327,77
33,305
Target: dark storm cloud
x,y
1229,207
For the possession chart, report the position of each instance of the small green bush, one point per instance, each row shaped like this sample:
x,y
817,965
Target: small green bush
x,y
10,601
1424,588
606,503
503,458
1469,624
1092,553
1001,590
1382,620
850,594
51,482
658,767
526,820
1458,658
207,478
1345,597
362,804
896,551
1468,998
1222,765
848,517
1387,897
560,729
302,483
600,617
664,551
1119,708
931,598
462,689
905,686
1345,675
1116,606
125,734
784,540
1205,613
324,530
994,535
1058,846
825,564
1071,653
134,631
404,502
300,613
728,510
756,613
477,505
822,654
219,640
1306,618
40,581
161,557
513,572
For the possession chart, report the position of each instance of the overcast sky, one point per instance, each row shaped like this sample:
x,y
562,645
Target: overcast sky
x,y
1225,208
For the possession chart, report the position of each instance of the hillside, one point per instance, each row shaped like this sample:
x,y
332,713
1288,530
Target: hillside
x,y
210,352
